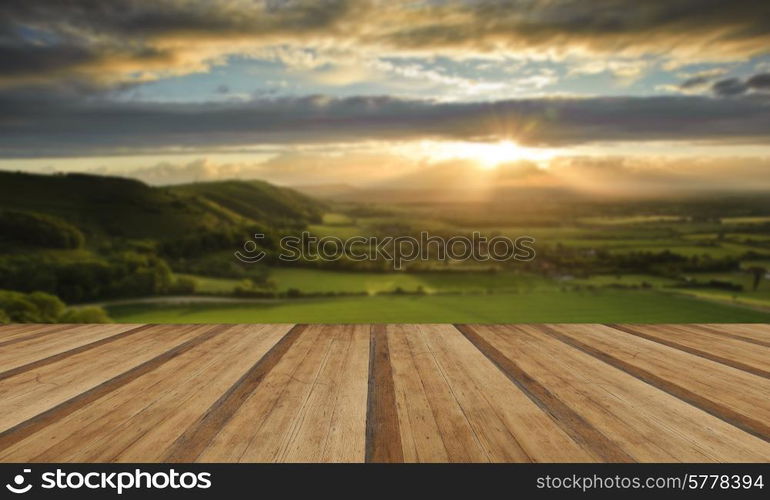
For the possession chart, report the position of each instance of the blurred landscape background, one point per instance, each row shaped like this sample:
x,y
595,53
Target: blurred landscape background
x,y
116,249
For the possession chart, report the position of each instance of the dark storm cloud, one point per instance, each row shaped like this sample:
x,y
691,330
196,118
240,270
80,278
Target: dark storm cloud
x,y
121,37
649,25
146,18
87,126
44,37
694,82
729,87
759,82
737,86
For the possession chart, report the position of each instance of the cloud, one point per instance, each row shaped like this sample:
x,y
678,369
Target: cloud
x,y
694,83
135,40
138,40
288,167
623,69
729,87
605,175
759,82
736,86
654,176
199,170
33,126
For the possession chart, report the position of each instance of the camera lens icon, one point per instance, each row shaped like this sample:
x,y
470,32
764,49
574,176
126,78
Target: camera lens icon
x,y
17,486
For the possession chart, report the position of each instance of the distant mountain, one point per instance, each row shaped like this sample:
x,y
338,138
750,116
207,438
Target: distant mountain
x,y
121,207
449,182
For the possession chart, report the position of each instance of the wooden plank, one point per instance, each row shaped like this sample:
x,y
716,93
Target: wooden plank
x,y
420,435
507,432
572,423
15,332
463,390
40,390
142,419
454,430
278,421
451,354
196,438
22,328
12,328
755,333
704,343
275,427
416,393
61,335
346,440
383,436
649,424
67,406
233,438
331,425
33,353
733,395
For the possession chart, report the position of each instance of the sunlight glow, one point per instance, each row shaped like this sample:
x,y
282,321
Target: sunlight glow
x,y
487,155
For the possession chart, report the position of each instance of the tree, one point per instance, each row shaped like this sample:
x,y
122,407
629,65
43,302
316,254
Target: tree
x,y
49,306
40,307
90,314
758,272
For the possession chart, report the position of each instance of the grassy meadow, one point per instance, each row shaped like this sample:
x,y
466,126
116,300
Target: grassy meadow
x,y
147,254
535,307
446,294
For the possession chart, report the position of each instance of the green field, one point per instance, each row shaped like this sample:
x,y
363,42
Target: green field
x,y
746,220
716,252
209,285
760,299
319,281
746,297
628,280
632,219
310,280
546,306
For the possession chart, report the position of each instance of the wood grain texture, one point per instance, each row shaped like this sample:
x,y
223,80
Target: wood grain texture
x,y
733,395
311,407
469,418
30,353
648,424
573,424
141,420
755,333
66,406
10,336
189,445
384,393
728,350
383,437
14,330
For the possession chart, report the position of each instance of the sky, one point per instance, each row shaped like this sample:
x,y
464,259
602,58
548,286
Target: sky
x,y
371,92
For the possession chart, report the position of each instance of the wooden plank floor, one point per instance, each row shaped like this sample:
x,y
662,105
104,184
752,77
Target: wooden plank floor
x,y
385,393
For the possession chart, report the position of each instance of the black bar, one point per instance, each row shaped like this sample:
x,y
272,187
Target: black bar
x,y
360,480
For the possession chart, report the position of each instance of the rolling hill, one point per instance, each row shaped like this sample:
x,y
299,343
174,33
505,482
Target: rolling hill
x,y
254,201
103,207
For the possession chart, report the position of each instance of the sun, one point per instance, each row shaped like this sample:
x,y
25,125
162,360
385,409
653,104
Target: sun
x,y
491,155
487,155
